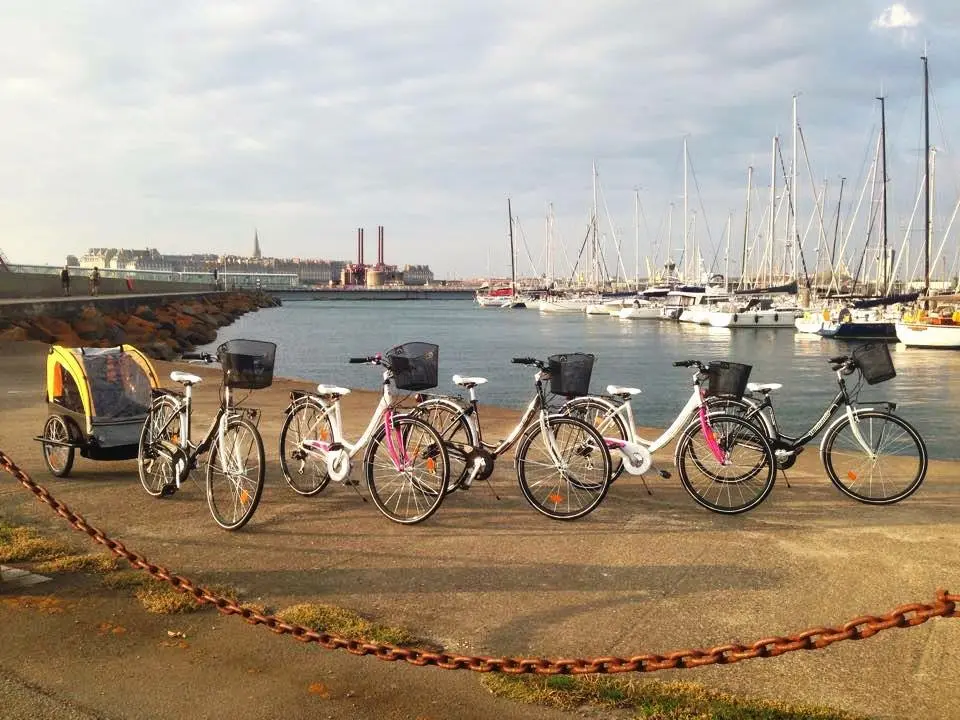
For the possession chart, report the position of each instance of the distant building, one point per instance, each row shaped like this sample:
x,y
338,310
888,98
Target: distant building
x,y
417,275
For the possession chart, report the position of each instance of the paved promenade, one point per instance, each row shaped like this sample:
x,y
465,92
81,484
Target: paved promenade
x,y
641,574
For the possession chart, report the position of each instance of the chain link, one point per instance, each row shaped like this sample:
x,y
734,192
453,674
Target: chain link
x,y
812,639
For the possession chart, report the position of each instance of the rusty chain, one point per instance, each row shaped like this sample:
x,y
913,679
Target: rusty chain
x,y
812,639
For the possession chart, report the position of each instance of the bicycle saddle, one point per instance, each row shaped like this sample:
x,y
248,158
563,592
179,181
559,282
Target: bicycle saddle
x,y
624,392
763,387
468,382
185,378
332,391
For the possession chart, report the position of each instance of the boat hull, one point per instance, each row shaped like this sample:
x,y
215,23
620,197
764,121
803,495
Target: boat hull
x,y
854,330
754,319
929,336
642,313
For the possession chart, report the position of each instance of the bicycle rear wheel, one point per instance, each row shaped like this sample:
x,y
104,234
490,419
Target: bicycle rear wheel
x,y
235,474
739,482
157,473
456,432
565,474
895,472
305,471
408,471
602,415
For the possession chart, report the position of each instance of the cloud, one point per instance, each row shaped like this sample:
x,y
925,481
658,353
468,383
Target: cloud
x,y
184,126
896,16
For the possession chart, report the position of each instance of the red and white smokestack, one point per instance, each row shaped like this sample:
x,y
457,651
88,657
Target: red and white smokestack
x,y
361,246
359,243
380,245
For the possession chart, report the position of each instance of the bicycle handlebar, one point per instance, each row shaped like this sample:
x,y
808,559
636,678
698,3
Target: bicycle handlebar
x,y
358,360
689,363
839,359
524,360
206,357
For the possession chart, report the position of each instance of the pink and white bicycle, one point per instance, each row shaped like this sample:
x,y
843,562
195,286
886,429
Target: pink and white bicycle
x,y
405,465
725,464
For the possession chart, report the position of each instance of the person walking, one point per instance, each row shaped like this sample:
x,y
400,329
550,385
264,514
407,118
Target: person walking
x,y
65,280
95,281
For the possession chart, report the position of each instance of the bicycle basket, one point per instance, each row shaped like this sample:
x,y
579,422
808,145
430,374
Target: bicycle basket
x,y
727,379
570,374
874,362
415,365
247,364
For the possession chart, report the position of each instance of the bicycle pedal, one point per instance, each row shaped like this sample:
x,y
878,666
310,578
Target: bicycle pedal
x,y
168,490
665,474
349,481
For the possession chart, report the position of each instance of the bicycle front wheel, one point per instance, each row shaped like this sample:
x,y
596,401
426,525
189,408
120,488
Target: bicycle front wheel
x,y
564,473
235,473
892,469
407,470
305,470
736,482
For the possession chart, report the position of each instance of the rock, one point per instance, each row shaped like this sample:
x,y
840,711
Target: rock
x,y
145,313
14,333
158,351
36,331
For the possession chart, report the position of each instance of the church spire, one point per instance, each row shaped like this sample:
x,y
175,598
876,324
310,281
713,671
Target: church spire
x,y
256,244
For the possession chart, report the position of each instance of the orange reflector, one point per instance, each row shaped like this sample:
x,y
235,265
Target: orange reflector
x,y
324,435
556,498
431,465
852,475
244,496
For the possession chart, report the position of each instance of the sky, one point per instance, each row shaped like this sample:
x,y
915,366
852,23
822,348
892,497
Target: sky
x,y
185,126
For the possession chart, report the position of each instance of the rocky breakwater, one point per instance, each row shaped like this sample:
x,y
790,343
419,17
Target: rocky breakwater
x,y
163,331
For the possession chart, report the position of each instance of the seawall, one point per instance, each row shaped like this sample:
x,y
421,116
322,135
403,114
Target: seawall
x,y
162,325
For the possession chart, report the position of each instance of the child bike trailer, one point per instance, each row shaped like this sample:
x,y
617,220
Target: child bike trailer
x,y
98,399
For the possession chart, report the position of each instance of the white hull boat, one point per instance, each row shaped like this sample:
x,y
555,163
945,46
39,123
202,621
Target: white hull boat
x,y
565,306
754,319
643,311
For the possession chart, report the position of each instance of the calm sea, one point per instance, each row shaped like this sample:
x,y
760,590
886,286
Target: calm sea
x,y
315,338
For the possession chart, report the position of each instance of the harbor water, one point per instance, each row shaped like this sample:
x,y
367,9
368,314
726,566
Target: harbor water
x,y
315,339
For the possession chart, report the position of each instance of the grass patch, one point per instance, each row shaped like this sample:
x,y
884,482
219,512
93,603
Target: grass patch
x,y
89,563
649,700
340,621
20,544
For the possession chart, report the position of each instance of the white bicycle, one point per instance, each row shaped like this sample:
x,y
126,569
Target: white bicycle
x,y
405,465
725,462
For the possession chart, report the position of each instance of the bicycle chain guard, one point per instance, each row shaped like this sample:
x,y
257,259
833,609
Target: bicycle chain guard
x,y
636,458
338,465
486,459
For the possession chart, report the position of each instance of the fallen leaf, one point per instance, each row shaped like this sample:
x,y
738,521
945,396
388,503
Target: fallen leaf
x,y
318,688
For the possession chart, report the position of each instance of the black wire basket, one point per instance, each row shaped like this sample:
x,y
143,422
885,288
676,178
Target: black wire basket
x,y
415,365
727,379
247,364
570,374
874,362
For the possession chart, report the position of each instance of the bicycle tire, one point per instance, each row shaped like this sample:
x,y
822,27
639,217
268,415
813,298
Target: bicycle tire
x,y
430,449
57,428
148,459
611,424
829,464
319,476
734,432
447,417
248,496
565,486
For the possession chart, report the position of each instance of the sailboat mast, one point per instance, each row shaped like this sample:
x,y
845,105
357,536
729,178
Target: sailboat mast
x,y
596,222
773,204
686,217
636,241
746,228
926,183
794,237
836,233
883,153
726,272
513,275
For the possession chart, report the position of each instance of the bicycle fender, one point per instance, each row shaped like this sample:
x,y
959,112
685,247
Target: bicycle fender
x,y
840,419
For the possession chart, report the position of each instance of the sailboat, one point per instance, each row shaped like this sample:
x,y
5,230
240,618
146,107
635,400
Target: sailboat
x,y
929,325
504,297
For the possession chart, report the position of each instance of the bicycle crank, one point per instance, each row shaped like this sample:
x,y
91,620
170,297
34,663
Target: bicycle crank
x,y
636,458
481,464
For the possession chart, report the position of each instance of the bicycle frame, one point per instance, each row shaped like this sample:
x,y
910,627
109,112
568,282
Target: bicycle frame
x,y
383,413
768,416
694,405
184,410
536,406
